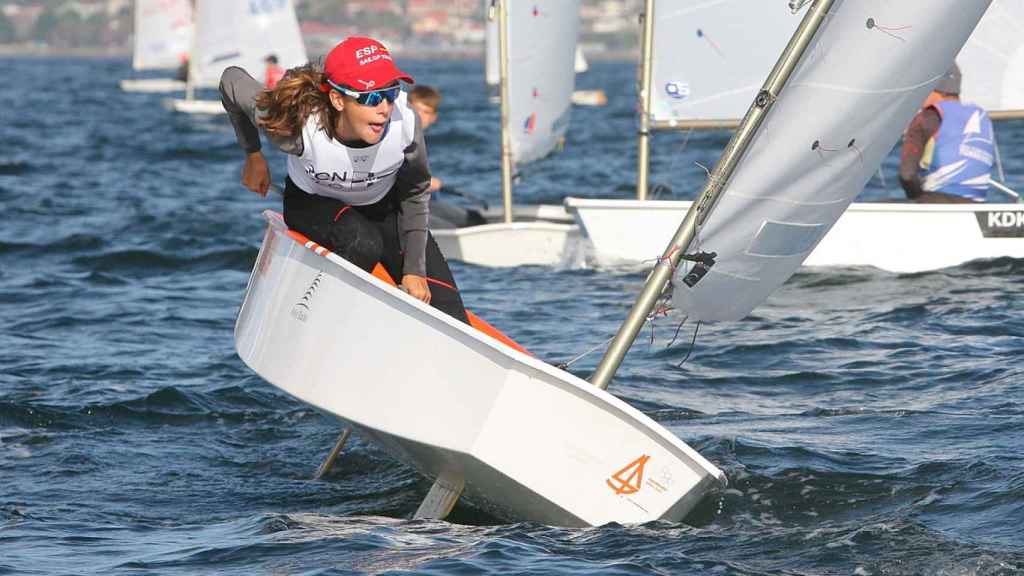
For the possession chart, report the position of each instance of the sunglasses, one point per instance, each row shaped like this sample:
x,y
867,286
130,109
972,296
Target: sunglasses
x,y
371,98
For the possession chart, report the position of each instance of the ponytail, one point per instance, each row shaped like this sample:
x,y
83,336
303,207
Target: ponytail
x,y
296,96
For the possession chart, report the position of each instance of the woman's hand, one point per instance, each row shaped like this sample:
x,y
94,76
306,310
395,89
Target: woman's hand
x,y
256,173
416,286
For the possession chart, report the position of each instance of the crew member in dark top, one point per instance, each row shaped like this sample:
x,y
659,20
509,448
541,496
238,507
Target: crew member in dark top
x,y
952,142
358,176
426,100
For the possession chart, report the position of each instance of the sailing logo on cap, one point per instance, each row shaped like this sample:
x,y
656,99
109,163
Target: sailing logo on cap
x,y
629,479
677,90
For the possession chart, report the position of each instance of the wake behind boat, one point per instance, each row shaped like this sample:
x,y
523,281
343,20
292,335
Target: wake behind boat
x,y
516,436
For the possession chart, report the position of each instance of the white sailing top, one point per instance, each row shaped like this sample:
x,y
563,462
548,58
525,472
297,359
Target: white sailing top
x,y
356,176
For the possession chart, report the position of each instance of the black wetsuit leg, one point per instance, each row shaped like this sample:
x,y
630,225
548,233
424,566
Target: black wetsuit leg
x,y
366,235
444,293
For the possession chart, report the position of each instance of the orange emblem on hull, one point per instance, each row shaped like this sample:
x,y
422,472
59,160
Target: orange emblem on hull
x,y
629,479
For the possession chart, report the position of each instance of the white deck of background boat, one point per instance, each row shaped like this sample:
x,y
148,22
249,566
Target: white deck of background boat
x,y
898,237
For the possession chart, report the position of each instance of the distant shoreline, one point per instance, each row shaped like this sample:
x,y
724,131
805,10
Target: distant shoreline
x,y
37,51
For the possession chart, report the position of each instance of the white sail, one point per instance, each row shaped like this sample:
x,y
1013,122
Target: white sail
x,y
580,64
242,33
992,62
492,68
712,56
163,33
860,81
542,44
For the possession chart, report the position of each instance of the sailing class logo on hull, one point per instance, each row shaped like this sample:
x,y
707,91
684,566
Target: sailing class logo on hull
x,y
1001,223
629,479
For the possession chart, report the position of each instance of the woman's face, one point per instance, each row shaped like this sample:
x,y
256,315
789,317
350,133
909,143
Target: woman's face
x,y
360,122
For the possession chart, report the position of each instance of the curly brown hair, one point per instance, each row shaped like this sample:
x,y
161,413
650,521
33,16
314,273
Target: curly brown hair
x,y
297,96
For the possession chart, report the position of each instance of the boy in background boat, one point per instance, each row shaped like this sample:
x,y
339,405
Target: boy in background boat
x,y
426,100
952,142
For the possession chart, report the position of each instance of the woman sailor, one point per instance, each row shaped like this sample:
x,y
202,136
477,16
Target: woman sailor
x,y
358,180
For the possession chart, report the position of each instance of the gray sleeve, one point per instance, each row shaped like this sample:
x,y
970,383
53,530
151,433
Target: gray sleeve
x,y
414,193
238,92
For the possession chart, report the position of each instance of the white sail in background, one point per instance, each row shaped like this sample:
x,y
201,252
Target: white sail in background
x,y
492,68
712,56
242,33
542,48
992,62
580,64
163,33
860,81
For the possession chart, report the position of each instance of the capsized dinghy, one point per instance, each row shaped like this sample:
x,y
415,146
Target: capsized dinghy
x,y
520,438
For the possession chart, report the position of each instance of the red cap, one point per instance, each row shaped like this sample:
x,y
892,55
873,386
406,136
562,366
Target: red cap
x,y
361,64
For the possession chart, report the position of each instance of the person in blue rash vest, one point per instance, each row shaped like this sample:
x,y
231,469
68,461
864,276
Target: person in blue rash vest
x,y
358,179
952,141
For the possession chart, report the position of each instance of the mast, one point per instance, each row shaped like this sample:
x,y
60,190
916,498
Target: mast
x,y
643,152
715,185
506,137
190,79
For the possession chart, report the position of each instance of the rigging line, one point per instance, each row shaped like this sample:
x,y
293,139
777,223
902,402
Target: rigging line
x,y
672,165
692,342
565,365
678,328
662,310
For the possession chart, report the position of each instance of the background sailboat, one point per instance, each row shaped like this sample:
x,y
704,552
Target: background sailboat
x,y
851,77
256,30
536,54
594,97
162,39
993,61
896,237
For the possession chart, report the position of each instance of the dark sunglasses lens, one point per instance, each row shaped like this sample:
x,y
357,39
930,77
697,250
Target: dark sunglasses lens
x,y
376,97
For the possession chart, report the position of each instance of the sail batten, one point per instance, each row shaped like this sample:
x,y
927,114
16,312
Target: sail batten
x,y
818,146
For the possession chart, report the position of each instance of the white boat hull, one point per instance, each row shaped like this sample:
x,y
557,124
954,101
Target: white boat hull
x,y
530,442
153,85
515,244
196,106
589,98
897,237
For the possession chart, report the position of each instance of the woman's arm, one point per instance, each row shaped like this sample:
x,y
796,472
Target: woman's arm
x,y
414,193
